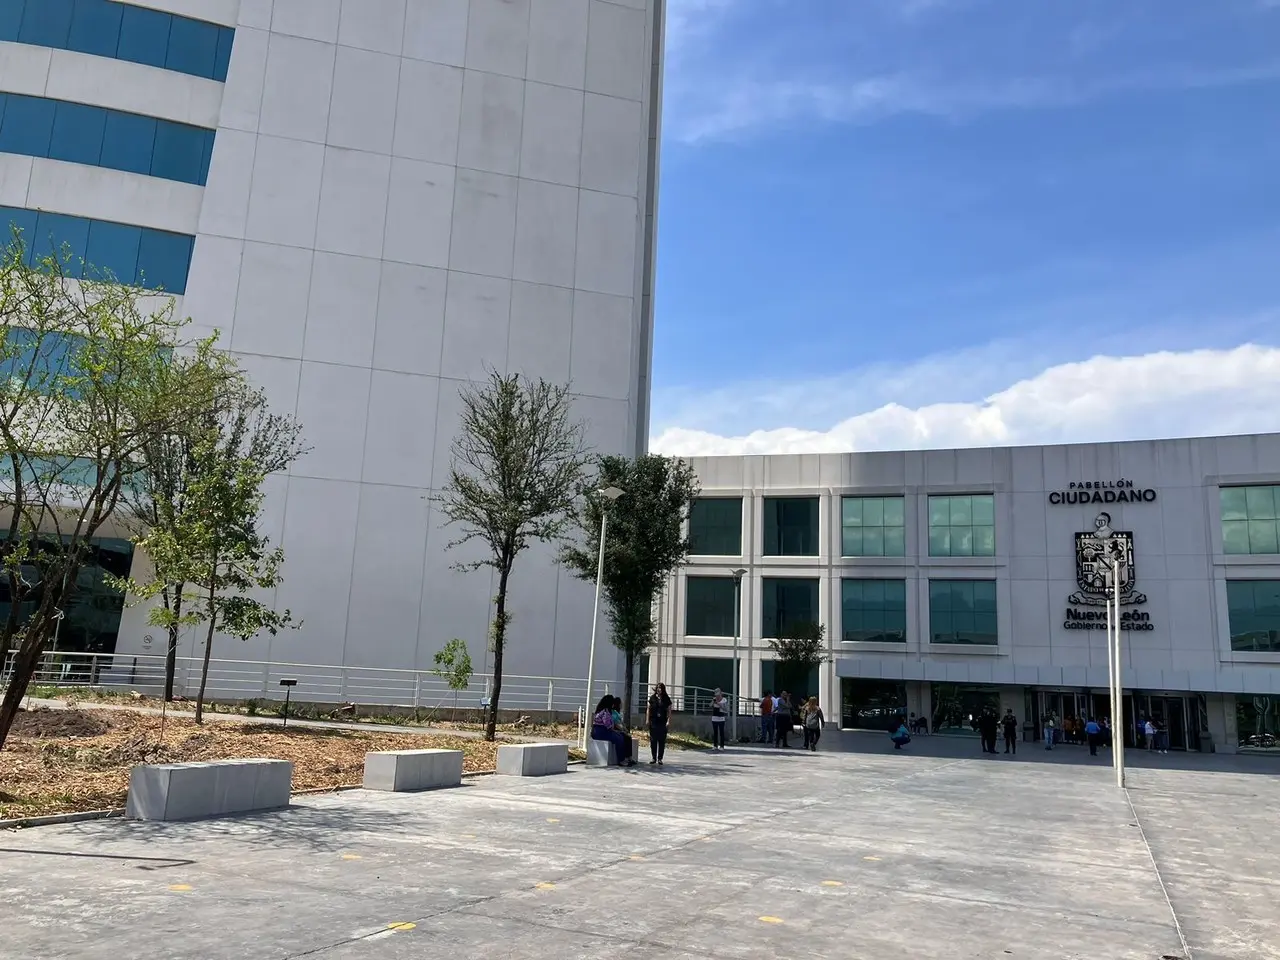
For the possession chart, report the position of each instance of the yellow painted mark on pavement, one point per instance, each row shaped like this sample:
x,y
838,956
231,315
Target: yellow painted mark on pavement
x,y
635,856
180,887
401,925
832,883
351,856
546,886
770,920
552,820
467,836
870,858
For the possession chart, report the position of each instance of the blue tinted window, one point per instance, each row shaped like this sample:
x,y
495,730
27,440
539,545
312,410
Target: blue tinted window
x,y
47,23
163,260
95,27
108,28
112,253
128,142
54,234
179,149
130,253
223,59
144,36
24,221
77,133
193,47
28,126
10,19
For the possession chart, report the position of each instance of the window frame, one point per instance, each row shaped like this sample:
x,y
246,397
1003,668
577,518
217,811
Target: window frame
x,y
972,613
1261,529
933,530
900,583
883,500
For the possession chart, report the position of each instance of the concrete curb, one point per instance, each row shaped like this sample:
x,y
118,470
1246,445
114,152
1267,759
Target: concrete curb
x,y
56,818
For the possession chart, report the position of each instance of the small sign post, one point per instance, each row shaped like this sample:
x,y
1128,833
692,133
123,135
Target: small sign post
x,y
288,683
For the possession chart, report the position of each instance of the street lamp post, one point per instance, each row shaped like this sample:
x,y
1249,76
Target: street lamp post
x,y
1117,715
610,494
737,631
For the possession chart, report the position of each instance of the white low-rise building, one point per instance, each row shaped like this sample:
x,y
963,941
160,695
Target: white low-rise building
x,y
950,580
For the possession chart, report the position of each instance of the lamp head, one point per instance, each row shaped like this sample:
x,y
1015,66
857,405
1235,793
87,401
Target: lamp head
x,y
738,574
611,493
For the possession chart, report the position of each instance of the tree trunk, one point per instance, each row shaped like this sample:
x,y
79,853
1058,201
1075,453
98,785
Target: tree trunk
x,y
25,664
208,651
171,654
499,641
628,699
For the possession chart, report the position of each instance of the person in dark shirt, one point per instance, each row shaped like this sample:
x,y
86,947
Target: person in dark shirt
x,y
658,716
988,724
1010,725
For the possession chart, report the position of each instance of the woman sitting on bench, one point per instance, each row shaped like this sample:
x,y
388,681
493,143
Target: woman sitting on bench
x,y
602,728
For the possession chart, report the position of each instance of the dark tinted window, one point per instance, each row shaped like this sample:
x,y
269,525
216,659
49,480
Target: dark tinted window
x,y
77,133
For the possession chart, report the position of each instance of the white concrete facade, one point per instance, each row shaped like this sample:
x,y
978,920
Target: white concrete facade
x,y
1183,647
403,195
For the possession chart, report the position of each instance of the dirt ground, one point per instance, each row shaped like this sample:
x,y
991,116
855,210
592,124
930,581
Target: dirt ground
x,y
65,761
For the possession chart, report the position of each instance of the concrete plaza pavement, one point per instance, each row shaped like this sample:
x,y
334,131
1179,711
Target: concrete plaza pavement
x,y
855,853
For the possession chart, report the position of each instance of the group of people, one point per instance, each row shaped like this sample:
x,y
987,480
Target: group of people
x,y
779,715
607,724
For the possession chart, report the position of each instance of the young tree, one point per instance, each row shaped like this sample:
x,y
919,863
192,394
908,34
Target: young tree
x,y
453,666
86,381
644,542
206,548
804,648
518,462
158,498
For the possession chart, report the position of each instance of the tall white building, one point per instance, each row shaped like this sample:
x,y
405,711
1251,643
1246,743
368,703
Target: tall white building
x,y
374,201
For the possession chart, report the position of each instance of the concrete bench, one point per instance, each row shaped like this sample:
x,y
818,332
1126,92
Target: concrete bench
x,y
401,770
533,759
602,753
220,788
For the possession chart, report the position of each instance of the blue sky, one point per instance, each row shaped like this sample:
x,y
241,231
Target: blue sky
x,y
898,223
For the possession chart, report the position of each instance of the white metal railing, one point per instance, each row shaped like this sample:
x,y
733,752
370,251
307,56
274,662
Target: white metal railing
x,y
316,683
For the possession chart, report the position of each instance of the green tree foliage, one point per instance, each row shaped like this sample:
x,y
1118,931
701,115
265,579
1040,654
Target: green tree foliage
x,y
453,666
87,379
644,542
205,544
517,463
804,648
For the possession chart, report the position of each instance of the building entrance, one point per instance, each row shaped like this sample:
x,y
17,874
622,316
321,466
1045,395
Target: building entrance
x,y
1169,711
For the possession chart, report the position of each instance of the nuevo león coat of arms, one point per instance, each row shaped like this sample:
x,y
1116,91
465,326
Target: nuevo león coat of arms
x,y
1095,552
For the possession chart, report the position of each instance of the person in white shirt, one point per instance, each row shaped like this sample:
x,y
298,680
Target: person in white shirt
x,y
1149,729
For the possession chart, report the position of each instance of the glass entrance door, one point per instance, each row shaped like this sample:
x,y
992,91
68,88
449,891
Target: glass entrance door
x,y
1169,711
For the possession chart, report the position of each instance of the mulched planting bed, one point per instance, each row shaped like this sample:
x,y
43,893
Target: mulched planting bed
x,y
67,761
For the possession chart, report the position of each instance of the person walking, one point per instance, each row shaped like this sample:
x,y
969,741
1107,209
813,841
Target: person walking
x,y
782,721
1010,726
812,723
766,717
658,716
719,717
1093,733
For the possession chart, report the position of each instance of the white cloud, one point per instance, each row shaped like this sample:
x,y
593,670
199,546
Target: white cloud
x,y
1105,398
729,106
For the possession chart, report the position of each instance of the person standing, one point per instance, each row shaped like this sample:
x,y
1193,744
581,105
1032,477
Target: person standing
x,y
1010,726
1093,733
988,724
719,717
658,717
1048,731
782,720
812,723
1149,731
766,717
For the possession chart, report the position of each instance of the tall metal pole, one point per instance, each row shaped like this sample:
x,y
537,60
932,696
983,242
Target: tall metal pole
x,y
595,622
1112,695
1119,679
737,629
